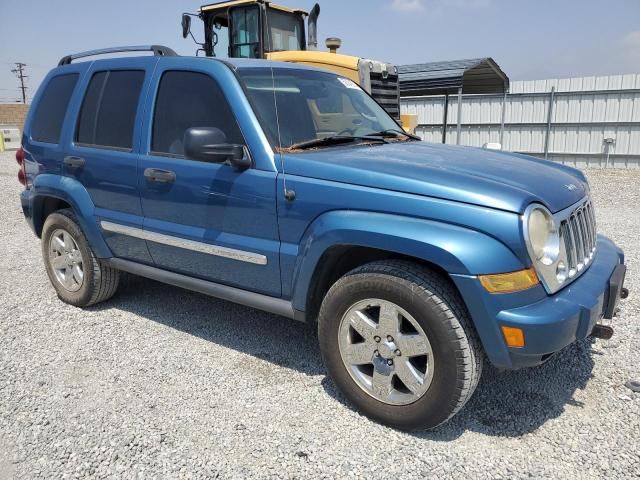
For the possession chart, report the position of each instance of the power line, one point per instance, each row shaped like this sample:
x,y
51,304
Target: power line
x,y
19,71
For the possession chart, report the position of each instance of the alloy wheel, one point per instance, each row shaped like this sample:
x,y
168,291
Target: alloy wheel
x,y
65,259
386,351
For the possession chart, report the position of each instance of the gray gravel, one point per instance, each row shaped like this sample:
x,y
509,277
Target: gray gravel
x,y
161,382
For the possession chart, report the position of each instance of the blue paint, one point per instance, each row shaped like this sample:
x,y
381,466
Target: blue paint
x,y
550,323
458,208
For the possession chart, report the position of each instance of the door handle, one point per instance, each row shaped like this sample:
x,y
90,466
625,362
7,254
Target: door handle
x,y
74,162
160,176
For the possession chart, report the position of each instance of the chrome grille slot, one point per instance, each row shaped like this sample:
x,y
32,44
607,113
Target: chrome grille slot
x,y
386,91
586,236
582,253
569,245
592,224
578,234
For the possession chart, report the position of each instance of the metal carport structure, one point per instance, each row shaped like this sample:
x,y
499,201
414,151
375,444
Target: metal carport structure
x,y
472,76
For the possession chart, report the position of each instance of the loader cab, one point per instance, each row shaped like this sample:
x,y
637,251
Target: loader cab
x,y
261,29
254,28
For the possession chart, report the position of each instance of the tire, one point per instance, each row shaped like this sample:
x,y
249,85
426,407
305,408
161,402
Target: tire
x,y
427,305
78,277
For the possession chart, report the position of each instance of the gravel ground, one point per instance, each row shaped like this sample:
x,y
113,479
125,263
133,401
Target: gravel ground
x,y
161,382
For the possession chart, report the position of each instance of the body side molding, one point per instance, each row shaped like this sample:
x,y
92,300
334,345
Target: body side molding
x,y
178,242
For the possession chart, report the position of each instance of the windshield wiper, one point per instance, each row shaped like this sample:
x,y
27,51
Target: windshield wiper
x,y
335,140
391,132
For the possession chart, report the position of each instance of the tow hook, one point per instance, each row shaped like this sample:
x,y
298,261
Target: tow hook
x,y
604,332
624,293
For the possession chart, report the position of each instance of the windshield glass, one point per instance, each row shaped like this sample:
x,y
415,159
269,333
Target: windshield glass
x,y
311,105
285,30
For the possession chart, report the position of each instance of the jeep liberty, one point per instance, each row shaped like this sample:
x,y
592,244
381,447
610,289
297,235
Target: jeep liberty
x,y
289,189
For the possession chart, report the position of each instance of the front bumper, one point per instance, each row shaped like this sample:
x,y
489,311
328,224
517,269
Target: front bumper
x,y
549,322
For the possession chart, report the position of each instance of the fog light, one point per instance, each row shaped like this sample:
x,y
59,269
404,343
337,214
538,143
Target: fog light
x,y
509,282
513,337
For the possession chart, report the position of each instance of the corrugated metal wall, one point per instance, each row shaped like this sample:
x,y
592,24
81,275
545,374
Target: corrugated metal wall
x,y
585,112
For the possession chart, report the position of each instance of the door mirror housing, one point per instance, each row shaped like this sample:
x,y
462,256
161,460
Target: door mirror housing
x,y
186,25
209,144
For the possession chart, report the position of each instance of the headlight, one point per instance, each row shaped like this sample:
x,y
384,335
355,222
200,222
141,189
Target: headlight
x,y
556,243
542,235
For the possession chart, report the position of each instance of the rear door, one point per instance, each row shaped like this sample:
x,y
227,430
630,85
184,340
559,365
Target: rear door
x,y
44,133
205,219
103,152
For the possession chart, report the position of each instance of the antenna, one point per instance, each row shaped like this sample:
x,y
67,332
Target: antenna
x,y
289,195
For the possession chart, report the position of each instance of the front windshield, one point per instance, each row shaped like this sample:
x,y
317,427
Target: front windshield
x,y
311,105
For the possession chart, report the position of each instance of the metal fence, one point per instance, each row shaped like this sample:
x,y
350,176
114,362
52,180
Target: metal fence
x,y
587,121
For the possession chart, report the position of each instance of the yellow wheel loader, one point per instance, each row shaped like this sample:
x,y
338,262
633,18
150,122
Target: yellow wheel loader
x,y
261,29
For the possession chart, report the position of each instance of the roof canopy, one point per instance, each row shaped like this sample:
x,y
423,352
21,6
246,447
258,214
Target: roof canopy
x,y
474,76
238,3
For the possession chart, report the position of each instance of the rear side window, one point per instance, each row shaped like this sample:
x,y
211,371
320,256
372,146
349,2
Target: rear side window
x,y
52,107
185,100
109,108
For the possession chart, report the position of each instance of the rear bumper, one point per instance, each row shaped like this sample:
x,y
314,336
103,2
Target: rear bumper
x,y
549,322
26,203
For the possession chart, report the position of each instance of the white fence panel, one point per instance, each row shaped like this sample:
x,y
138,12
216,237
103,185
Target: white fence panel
x,y
585,112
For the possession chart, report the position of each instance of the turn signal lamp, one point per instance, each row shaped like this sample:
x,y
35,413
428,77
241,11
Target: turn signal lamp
x,y
510,282
513,337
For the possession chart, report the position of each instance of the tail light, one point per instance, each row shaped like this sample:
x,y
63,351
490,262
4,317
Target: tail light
x,y
22,174
20,156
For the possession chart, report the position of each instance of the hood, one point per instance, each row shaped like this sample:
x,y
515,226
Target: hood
x,y
489,178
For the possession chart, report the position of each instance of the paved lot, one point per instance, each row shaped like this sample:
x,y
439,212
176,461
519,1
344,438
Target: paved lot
x,y
161,382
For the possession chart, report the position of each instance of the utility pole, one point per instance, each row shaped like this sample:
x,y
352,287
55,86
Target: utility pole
x,y
19,71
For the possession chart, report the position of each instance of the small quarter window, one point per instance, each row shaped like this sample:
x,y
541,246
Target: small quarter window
x,y
108,112
52,108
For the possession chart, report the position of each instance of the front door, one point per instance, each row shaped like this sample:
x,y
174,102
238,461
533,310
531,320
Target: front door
x,y
205,219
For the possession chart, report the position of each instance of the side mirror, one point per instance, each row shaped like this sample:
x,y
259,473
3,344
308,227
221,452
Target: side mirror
x,y
186,25
209,144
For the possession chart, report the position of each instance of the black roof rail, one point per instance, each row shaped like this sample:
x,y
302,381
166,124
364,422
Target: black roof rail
x,y
158,51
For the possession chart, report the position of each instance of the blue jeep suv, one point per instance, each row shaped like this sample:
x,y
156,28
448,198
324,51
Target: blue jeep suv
x,y
289,189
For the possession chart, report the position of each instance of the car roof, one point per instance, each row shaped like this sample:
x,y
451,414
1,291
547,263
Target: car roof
x,y
252,63
241,63
235,63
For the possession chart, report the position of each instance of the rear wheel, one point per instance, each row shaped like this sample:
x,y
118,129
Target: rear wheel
x,y
397,340
77,275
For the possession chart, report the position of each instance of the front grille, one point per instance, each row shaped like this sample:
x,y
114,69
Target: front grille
x,y
578,234
386,91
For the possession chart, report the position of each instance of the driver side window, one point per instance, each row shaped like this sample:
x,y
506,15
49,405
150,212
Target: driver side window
x,y
245,27
185,100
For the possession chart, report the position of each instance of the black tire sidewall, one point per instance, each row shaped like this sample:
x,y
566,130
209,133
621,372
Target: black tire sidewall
x,y
67,222
437,404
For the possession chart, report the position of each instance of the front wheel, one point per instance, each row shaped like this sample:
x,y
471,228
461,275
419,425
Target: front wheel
x,y
397,340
